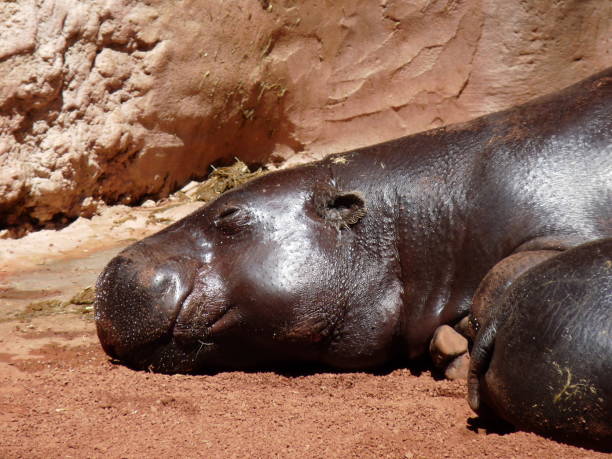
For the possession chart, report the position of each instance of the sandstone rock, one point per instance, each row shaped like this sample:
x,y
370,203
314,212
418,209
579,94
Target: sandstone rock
x,y
115,100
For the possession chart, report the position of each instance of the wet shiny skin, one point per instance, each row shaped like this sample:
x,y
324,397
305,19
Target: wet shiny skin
x,y
356,259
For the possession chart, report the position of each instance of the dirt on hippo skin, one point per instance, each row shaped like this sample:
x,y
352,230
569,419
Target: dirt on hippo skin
x,y
60,396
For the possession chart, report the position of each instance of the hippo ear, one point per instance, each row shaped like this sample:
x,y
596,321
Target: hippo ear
x,y
340,208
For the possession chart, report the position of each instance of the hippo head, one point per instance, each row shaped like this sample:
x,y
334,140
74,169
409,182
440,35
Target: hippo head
x,y
287,268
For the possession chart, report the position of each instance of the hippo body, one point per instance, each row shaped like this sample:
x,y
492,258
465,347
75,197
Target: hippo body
x,y
543,357
356,259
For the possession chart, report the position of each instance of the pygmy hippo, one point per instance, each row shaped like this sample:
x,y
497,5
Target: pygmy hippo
x,y
542,358
357,259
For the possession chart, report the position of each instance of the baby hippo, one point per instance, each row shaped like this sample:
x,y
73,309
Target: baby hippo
x,y
542,356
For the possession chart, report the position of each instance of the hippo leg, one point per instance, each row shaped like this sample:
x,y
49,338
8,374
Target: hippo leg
x,y
497,280
449,346
482,323
449,352
504,273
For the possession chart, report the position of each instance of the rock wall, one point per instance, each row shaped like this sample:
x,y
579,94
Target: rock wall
x,y
119,100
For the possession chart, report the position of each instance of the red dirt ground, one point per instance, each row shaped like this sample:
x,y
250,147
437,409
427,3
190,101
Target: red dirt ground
x,y
61,397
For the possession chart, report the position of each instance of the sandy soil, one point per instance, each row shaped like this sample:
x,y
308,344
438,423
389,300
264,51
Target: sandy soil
x,y
60,396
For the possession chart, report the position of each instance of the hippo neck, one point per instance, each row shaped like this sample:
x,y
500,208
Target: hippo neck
x,y
425,197
433,237
433,240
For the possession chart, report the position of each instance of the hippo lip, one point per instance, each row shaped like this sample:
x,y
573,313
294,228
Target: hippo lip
x,y
189,331
207,327
215,324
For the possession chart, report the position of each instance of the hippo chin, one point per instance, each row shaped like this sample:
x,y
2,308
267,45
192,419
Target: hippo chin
x,y
357,259
542,358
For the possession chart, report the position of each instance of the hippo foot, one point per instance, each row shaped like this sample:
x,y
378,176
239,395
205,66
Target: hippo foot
x,y
449,352
458,368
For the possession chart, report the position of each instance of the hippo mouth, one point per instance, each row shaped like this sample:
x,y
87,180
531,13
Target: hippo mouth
x,y
183,348
187,346
193,328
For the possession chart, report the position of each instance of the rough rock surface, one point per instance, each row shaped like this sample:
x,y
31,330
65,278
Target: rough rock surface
x,y
118,100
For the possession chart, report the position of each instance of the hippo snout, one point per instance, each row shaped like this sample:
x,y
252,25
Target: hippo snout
x,y
138,298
